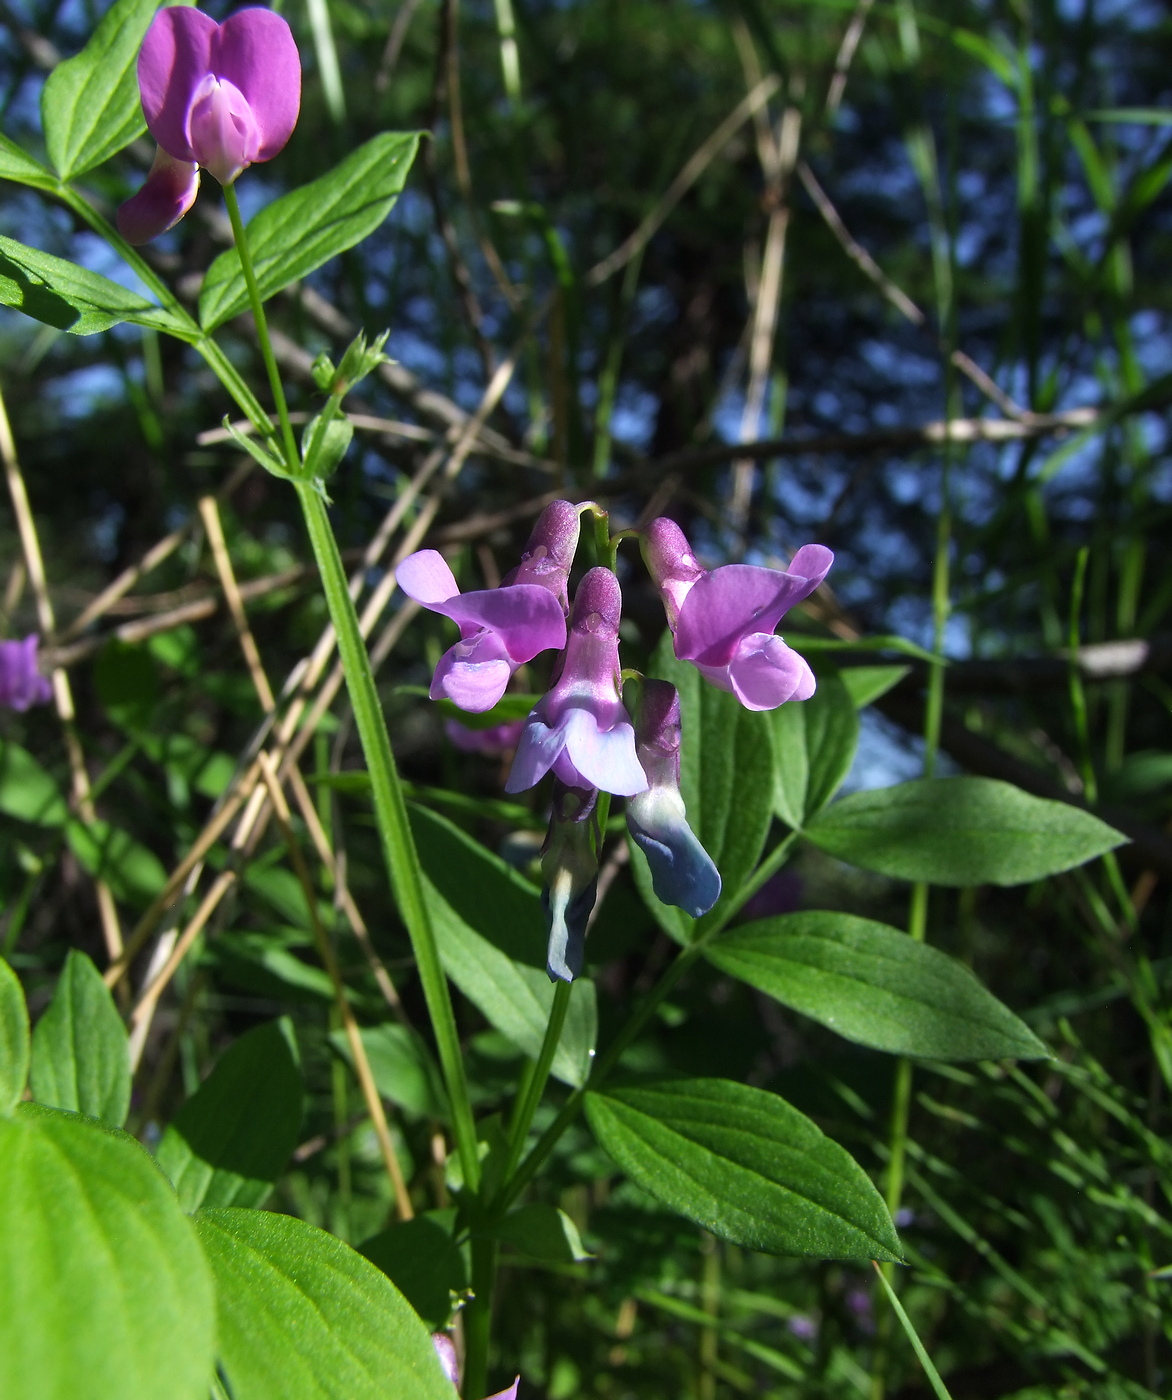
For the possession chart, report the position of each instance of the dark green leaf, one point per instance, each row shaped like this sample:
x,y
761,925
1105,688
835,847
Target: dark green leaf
x,y
104,1290
306,228
424,1262
302,1316
815,742
80,1059
90,105
259,963
542,1233
960,831
745,1165
875,985
70,297
26,790
134,873
403,1068
865,684
16,164
14,1042
230,1141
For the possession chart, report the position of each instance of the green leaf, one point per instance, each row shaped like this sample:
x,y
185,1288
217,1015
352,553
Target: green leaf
x,y
542,1233
80,1059
90,105
258,963
424,1262
26,790
14,1043
960,831
303,1316
874,985
815,742
70,297
230,1141
104,1290
745,1165
324,443
865,684
726,780
403,1068
134,873
16,164
306,228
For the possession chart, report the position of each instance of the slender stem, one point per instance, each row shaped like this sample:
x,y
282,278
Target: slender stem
x,y
262,327
534,1083
390,810
478,1318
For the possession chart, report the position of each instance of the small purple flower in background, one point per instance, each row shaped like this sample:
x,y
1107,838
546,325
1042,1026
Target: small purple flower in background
x,y
780,894
860,1307
21,683
682,872
447,1357
500,629
221,96
569,863
803,1327
580,729
496,739
723,619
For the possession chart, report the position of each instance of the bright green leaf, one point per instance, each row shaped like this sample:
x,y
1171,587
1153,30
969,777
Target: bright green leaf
x,y
424,1262
303,1316
403,1068
26,790
230,1141
14,1040
302,230
744,1164
960,831
542,1233
16,164
80,1059
865,684
875,985
104,1290
133,872
815,742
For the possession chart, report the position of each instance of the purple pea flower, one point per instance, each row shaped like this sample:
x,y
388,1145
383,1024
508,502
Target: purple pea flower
x,y
723,619
221,96
682,872
580,729
446,1352
500,629
21,683
497,738
569,863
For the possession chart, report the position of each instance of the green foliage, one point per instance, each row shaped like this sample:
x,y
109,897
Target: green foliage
x,y
14,1039
133,870
302,230
543,1234
230,1141
403,1068
746,1166
103,1286
26,790
961,831
815,742
874,985
80,1059
303,1317
424,1262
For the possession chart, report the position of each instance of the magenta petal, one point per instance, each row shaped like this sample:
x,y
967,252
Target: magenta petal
x,y
812,562
536,753
168,194
474,685
605,758
175,56
425,577
510,1394
256,51
223,131
526,617
766,673
731,601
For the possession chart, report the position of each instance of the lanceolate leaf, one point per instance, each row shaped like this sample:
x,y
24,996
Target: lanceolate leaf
x,y
300,231
70,297
80,1058
90,105
133,872
875,985
960,831
26,790
230,1141
302,1316
745,1165
403,1068
104,1290
815,741
16,164
14,1044
542,1233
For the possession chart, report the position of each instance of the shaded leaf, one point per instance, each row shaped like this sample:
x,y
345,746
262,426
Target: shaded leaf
x,y
26,790
815,742
403,1068
423,1261
80,1059
542,1233
132,871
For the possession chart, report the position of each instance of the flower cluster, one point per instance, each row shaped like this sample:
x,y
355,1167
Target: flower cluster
x,y
21,682
220,96
580,731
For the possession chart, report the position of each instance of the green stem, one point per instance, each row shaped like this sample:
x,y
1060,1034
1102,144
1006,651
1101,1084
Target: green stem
x,y
292,457
534,1083
478,1318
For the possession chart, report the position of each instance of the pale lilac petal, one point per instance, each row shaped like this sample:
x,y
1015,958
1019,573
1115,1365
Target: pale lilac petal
x,y
222,129
168,194
175,55
498,738
446,1351
812,562
510,1394
536,754
426,577
604,758
764,673
526,617
729,602
256,51
474,685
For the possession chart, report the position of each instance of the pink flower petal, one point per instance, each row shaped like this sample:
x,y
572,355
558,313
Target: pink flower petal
x,y
475,685
605,758
426,577
223,130
764,673
536,753
510,1394
728,603
526,617
175,55
256,51
168,194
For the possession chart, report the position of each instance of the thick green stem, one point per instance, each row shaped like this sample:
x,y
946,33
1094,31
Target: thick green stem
x,y
533,1086
478,1318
